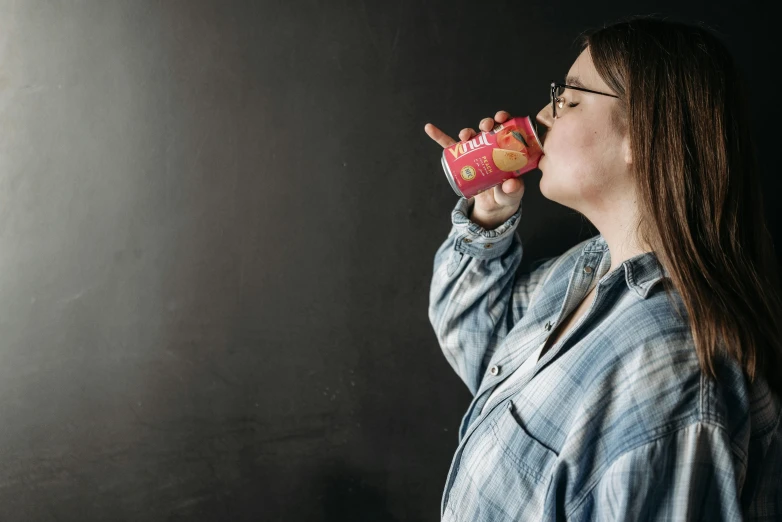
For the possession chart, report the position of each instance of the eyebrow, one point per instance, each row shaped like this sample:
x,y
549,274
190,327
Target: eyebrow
x,y
574,81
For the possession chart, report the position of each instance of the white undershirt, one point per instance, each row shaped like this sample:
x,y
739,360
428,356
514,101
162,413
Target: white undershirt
x,y
518,374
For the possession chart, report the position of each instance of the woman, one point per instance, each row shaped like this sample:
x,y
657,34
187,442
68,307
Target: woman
x,y
637,376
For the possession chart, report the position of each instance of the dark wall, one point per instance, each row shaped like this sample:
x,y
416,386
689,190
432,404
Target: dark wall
x,y
217,227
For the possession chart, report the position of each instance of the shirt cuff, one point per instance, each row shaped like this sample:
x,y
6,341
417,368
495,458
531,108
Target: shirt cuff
x,y
474,240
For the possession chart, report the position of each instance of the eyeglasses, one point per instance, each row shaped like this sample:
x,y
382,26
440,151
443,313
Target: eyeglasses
x,y
556,95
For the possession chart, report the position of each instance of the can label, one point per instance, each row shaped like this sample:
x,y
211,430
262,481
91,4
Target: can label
x,y
509,150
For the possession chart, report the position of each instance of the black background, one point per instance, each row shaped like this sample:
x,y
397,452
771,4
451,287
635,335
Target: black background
x,y
217,227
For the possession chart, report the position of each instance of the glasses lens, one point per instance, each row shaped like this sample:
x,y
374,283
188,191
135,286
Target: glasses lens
x,y
558,102
556,91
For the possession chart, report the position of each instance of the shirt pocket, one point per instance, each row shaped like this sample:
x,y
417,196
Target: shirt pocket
x,y
529,456
503,475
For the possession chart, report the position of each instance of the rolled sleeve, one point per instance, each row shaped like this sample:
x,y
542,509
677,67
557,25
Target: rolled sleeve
x,y
475,294
474,240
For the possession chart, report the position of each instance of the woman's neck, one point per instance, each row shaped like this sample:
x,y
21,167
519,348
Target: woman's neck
x,y
620,231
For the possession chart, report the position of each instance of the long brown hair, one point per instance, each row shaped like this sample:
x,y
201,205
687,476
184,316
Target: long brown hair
x,y
701,209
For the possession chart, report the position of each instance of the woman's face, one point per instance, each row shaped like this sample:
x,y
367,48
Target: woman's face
x,y
587,161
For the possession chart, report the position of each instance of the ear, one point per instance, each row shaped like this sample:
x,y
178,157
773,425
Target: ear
x,y
627,150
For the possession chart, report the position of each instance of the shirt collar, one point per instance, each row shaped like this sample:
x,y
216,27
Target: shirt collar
x,y
642,271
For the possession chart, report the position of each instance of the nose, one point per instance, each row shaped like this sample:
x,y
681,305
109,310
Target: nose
x,y
544,117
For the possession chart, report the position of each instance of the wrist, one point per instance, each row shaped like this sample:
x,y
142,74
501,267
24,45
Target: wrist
x,y
487,221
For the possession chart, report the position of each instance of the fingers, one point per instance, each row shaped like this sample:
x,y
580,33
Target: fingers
x,y
466,133
439,136
502,116
488,124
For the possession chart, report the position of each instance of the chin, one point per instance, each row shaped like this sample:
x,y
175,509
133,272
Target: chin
x,y
548,188
543,186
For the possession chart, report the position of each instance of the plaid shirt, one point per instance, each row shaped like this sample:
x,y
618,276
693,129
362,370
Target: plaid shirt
x,y
615,421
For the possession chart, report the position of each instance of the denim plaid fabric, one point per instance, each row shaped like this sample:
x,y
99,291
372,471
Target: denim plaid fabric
x,y
615,421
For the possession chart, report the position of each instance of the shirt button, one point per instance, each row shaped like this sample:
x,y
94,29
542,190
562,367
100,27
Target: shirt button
x,y
494,370
588,269
487,245
548,326
468,240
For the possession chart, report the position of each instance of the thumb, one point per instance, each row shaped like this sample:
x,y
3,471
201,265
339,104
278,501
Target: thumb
x,y
513,187
509,193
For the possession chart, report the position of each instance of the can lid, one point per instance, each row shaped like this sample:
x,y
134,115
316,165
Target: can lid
x,y
449,176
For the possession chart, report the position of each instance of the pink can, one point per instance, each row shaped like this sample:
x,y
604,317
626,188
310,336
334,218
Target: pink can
x,y
507,151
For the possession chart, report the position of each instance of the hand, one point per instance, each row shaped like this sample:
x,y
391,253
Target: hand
x,y
494,206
